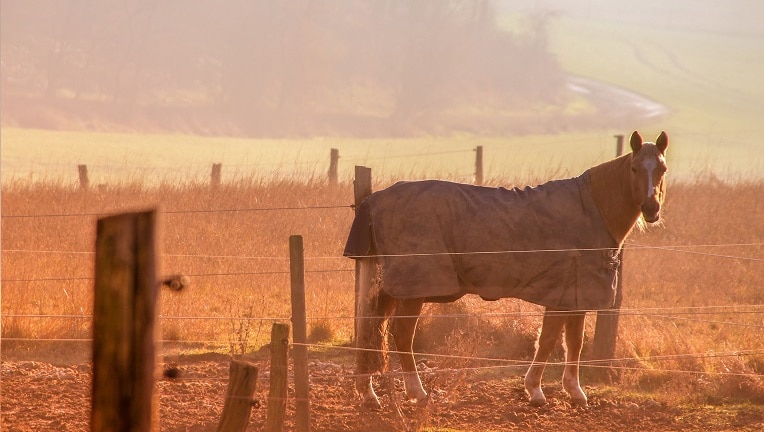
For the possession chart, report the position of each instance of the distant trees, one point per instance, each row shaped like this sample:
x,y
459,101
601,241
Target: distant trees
x,y
258,60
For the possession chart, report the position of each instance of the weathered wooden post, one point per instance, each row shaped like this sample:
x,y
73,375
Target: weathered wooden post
x,y
606,328
618,145
479,165
299,334
124,319
84,180
277,393
215,175
334,157
237,407
361,189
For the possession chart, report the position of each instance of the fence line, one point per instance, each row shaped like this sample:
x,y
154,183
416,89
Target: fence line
x,y
200,166
190,211
730,323
434,371
364,159
627,246
648,311
663,313
60,279
671,249
505,362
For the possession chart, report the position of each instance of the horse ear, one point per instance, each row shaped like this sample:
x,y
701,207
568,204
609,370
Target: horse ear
x,y
662,142
636,141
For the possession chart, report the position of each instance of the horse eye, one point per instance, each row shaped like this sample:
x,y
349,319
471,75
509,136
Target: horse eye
x,y
634,169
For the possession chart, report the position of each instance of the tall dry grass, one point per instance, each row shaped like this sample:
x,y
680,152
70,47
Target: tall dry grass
x,y
238,264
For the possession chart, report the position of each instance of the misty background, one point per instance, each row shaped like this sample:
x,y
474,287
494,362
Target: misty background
x,y
301,68
267,68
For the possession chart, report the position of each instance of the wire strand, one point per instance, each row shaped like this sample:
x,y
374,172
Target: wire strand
x,y
190,211
632,246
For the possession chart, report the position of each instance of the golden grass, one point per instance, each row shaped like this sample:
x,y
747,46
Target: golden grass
x,y
238,264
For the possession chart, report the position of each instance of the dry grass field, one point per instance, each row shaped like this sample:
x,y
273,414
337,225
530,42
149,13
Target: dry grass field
x,y
689,331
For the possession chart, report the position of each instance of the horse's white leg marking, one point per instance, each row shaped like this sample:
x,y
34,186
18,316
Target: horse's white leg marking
x,y
365,276
404,327
414,389
550,334
574,338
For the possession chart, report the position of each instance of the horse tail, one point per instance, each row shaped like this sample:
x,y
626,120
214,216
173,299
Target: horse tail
x,y
373,307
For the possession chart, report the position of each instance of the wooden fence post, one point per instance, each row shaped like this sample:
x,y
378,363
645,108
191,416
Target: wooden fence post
x,y
479,165
237,407
277,393
299,334
215,175
606,328
84,181
361,189
124,323
334,157
618,145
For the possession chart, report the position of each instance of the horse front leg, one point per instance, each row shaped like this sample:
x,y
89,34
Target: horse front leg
x,y
403,329
574,340
551,328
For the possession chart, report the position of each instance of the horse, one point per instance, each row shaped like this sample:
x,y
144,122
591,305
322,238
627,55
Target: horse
x,y
555,244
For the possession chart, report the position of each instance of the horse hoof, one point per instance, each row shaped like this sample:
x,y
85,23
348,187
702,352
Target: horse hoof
x,y
420,398
421,401
537,399
537,402
577,396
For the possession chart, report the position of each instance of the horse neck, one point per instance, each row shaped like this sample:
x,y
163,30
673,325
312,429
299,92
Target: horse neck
x,y
612,193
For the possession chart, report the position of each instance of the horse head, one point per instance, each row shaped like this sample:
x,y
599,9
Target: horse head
x,y
648,168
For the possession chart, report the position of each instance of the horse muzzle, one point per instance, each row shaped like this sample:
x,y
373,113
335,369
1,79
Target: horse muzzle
x,y
651,211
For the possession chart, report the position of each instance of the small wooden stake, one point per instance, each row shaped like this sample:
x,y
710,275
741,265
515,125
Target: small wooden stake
x,y
84,181
239,397
215,175
334,157
618,145
277,393
479,165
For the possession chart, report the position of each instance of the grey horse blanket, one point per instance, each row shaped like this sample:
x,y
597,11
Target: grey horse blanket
x,y
440,240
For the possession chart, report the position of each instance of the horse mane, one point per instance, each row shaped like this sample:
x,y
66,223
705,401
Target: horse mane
x,y
611,190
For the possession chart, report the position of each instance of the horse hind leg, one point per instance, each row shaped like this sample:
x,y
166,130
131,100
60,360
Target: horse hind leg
x,y
551,328
371,319
574,338
403,328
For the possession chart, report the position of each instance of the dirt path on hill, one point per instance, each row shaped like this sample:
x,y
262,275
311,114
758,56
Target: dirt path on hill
x,y
616,104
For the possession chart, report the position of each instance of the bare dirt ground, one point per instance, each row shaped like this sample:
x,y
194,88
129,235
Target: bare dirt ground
x,y
54,396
